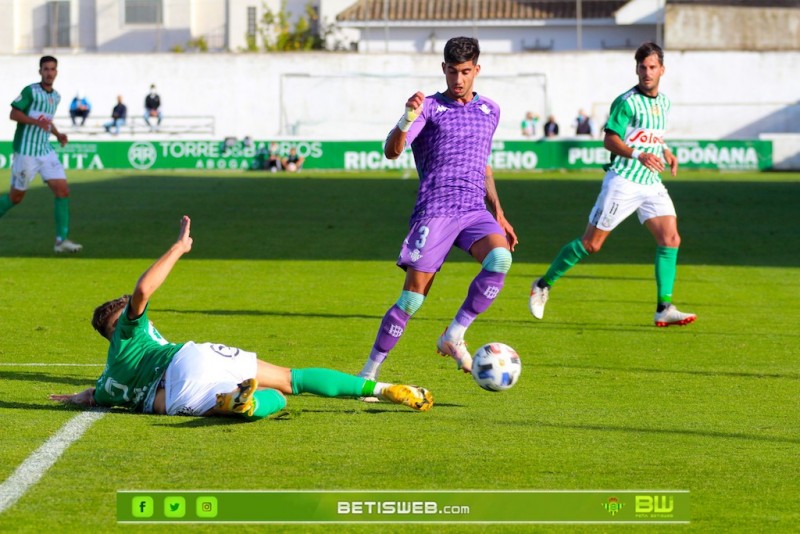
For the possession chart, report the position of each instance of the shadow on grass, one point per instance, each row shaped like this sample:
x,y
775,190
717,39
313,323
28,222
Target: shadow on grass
x,y
730,374
178,421
46,378
286,415
668,431
340,218
271,313
645,327
49,405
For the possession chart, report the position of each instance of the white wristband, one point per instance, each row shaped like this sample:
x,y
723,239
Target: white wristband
x,y
404,125
635,154
408,118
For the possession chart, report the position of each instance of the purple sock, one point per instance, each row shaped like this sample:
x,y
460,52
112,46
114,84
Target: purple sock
x,y
392,327
482,292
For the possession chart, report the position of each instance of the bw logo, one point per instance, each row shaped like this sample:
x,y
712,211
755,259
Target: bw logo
x,y
659,504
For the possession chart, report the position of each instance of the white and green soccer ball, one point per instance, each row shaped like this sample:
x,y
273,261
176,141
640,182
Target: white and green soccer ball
x,y
496,367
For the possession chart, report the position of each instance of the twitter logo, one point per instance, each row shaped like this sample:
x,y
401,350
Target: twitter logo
x,y
174,507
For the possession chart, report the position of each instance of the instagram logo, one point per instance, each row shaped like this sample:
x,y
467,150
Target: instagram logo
x,y
206,507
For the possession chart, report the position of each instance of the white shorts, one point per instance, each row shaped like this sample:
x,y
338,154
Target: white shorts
x,y
198,372
620,197
25,168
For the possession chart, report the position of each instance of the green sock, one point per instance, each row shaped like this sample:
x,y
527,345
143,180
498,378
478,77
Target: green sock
x,y
5,204
330,383
568,256
267,402
666,267
61,210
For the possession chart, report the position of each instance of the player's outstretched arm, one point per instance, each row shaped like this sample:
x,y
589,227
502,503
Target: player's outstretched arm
x,y
84,398
396,142
155,275
493,202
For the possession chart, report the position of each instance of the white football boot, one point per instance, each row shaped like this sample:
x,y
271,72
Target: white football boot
x,y
671,316
456,349
67,246
539,296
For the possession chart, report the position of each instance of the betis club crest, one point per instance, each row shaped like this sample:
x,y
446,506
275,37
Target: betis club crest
x,y
613,506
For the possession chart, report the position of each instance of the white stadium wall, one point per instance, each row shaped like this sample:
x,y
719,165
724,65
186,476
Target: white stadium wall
x,y
737,95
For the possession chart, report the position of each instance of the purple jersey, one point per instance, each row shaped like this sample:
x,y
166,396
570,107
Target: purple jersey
x,y
451,144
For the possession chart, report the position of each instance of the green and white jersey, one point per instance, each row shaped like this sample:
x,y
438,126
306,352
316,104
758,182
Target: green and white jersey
x,y
137,358
641,122
34,101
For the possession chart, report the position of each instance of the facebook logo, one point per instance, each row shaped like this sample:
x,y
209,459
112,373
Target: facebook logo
x,y
142,507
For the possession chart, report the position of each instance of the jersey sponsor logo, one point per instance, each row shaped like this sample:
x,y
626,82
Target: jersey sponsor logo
x,y
441,109
645,137
485,109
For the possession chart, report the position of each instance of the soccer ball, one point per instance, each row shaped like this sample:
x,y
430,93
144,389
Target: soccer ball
x,y
496,367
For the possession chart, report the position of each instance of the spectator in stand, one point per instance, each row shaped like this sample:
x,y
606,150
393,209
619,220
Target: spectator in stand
x,y
273,162
152,108
583,124
293,162
551,127
529,124
79,107
118,117
268,159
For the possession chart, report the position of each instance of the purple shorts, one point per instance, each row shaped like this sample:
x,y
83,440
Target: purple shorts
x,y
427,244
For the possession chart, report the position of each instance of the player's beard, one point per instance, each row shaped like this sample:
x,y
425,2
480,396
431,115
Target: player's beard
x,y
648,86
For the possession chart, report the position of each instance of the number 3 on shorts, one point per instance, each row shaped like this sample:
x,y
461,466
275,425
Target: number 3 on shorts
x,y
423,236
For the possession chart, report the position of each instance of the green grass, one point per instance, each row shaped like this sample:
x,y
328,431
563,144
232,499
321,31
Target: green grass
x,y
301,270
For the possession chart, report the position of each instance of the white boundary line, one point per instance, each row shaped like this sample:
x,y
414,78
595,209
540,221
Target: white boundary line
x,y
36,465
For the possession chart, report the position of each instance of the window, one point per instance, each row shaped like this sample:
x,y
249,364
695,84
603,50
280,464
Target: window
x,y
251,22
58,23
144,11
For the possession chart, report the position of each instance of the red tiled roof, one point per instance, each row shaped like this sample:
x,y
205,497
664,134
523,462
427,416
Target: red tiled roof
x,y
433,10
739,3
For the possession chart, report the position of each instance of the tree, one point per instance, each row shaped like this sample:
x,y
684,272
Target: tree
x,y
278,33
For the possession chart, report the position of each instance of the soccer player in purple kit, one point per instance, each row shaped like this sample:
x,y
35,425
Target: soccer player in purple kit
x,y
450,135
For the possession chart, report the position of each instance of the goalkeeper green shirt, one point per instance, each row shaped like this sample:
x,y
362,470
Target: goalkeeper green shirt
x,y
137,358
34,101
641,122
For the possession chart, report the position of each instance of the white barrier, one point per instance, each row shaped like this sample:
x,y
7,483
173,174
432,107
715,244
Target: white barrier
x,y
715,94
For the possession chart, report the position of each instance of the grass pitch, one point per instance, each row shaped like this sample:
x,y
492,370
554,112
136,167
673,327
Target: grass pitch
x,y
301,270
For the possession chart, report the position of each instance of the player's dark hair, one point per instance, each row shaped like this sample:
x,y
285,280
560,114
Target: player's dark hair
x,y
646,50
460,50
103,314
47,59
